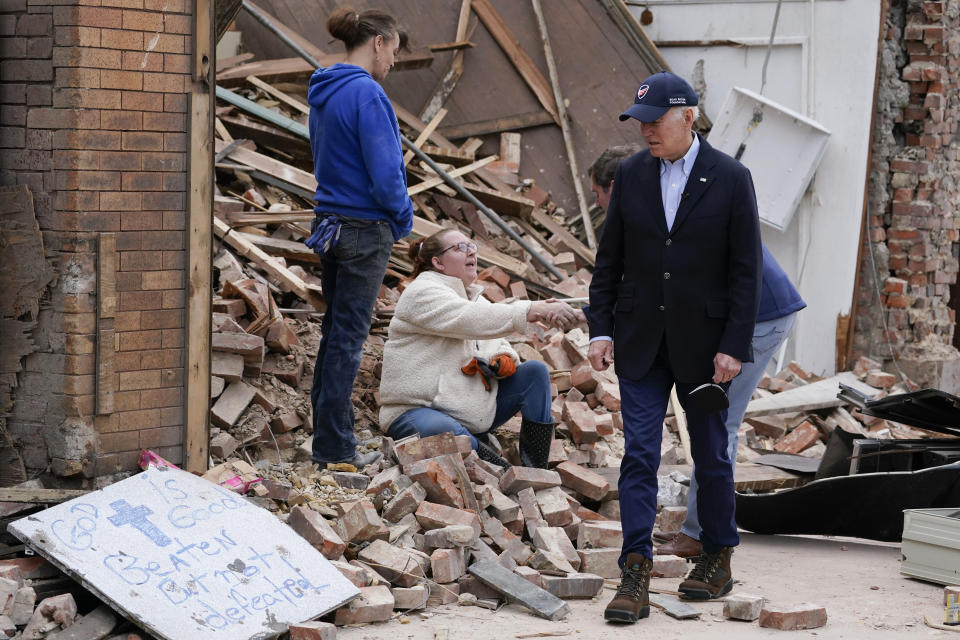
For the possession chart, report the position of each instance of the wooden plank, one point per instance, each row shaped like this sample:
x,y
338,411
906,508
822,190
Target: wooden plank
x,y
448,82
451,46
226,63
200,248
817,395
287,249
39,496
293,69
107,275
449,155
271,167
524,65
106,374
681,417
497,125
456,173
425,134
246,248
536,235
222,131
543,218
506,202
565,126
237,219
279,95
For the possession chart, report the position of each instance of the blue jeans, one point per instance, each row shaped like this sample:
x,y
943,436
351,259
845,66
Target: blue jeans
x,y
644,406
352,274
526,391
767,338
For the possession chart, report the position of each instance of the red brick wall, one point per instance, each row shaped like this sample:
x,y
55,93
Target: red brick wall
x,y
94,117
913,189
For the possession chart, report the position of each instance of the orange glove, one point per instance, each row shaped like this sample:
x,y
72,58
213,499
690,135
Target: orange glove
x,y
474,367
503,365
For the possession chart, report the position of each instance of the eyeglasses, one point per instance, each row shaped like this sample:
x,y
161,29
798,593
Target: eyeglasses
x,y
462,247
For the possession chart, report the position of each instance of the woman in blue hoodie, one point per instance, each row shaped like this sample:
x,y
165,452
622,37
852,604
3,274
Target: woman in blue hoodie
x,y
362,201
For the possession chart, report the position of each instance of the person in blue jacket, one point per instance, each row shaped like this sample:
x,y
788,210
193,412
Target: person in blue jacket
x,y
362,205
779,304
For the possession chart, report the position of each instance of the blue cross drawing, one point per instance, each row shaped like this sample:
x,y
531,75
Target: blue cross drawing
x,y
137,518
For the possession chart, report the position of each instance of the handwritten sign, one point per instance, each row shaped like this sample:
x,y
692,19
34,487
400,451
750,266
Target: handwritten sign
x,y
185,558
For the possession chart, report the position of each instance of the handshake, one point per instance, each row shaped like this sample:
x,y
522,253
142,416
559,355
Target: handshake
x,y
555,313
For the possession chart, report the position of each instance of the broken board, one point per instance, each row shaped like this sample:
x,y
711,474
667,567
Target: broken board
x,y
185,558
817,395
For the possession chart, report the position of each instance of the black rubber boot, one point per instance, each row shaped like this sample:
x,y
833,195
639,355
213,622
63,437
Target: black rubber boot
x,y
487,454
535,439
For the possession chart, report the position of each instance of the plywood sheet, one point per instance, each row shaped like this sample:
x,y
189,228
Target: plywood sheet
x,y
185,558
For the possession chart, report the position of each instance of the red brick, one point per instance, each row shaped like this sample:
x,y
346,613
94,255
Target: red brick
x,y
143,21
131,220
164,82
104,140
121,120
39,47
88,16
802,616
35,25
164,161
120,160
121,200
178,24
168,6
88,57
175,63
163,240
142,181
166,43
583,481
78,77
164,122
802,437
880,379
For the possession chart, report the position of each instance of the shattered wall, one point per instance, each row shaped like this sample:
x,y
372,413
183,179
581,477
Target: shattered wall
x,y
93,101
904,301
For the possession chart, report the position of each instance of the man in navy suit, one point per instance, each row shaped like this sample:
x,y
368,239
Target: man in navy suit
x,y
676,288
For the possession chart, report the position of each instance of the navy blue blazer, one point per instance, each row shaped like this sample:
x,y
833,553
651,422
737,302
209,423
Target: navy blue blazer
x,y
696,286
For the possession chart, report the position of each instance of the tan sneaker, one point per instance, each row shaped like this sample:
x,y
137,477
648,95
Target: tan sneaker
x,y
710,578
632,600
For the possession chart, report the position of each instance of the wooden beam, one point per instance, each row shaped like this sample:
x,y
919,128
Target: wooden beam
x,y
106,381
271,167
290,69
451,46
425,135
544,220
506,202
286,249
446,84
497,125
238,219
565,126
433,182
245,246
524,65
200,249
449,155
681,418
279,95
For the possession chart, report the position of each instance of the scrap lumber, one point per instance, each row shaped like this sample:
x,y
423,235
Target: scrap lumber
x,y
565,125
236,219
446,84
681,417
286,249
543,219
271,167
456,173
271,116
449,155
298,69
524,65
307,292
817,395
425,134
509,203
227,63
279,95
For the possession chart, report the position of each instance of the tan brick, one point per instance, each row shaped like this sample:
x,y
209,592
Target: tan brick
x,y
73,159
142,141
126,80
142,181
107,424
79,365
86,98
174,259
140,419
72,36
46,118
141,61
157,398
164,82
170,319
128,281
89,57
164,122
375,604
121,120
139,340
121,200
120,160
166,43
121,441
79,406
88,16
176,63
141,220
162,358
138,300
136,380
143,21
121,39
102,140
141,261
141,101
97,180
79,323
127,361
161,437
164,161
178,24
79,385
162,280
80,344
175,102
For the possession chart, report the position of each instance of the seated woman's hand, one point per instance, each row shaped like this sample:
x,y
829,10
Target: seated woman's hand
x,y
555,313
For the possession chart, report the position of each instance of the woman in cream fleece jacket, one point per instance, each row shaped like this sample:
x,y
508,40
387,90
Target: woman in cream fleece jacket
x,y
441,324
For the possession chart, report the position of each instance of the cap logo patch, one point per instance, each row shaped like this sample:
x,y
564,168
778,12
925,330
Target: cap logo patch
x,y
642,91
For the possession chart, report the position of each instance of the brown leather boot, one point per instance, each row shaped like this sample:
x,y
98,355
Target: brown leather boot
x,y
632,601
682,545
710,578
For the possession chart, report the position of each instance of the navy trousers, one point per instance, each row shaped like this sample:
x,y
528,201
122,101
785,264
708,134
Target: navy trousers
x,y
352,274
644,406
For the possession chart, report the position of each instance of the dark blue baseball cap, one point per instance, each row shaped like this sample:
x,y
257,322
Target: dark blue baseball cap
x,y
657,94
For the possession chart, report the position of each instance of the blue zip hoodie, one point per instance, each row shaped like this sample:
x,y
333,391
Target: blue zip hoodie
x,y
357,155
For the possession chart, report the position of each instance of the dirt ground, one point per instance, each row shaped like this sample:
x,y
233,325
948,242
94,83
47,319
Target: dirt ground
x,y
858,581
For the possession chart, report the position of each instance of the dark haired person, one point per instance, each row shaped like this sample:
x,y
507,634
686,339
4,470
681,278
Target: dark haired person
x,y
602,170
446,364
362,198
